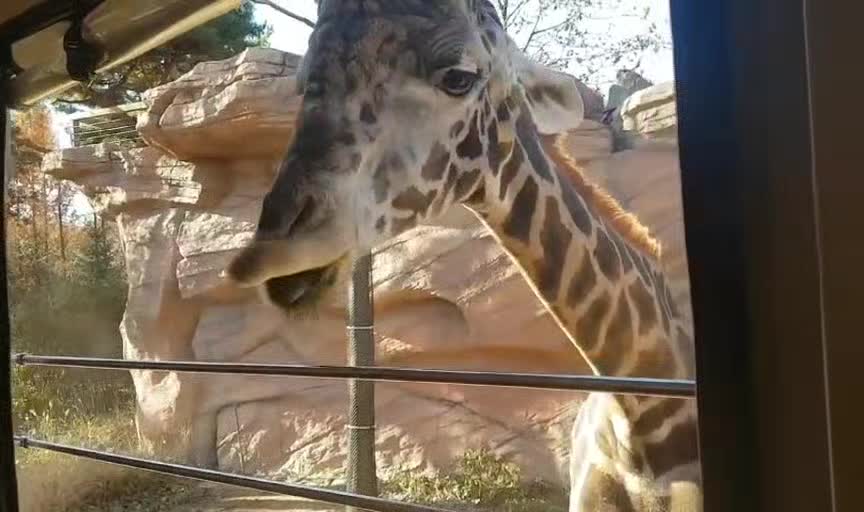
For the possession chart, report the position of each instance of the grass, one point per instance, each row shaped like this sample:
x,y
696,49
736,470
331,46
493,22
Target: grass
x,y
97,409
480,481
92,409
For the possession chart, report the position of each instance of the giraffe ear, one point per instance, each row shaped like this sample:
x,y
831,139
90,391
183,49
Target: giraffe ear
x,y
553,96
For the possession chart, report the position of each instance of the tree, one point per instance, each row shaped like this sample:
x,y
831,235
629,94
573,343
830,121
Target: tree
x,y
218,39
591,39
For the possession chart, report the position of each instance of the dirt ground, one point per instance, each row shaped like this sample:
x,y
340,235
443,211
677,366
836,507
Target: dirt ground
x,y
240,500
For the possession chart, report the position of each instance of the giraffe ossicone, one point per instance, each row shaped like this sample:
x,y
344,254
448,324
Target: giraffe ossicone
x,y
412,107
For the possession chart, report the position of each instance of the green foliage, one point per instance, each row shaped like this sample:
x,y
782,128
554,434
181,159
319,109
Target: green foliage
x,y
480,481
64,308
218,39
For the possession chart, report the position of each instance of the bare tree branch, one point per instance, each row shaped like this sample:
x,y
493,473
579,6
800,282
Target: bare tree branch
x,y
286,12
531,35
518,8
537,32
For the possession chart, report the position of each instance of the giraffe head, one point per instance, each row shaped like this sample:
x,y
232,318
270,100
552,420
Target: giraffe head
x,y
406,110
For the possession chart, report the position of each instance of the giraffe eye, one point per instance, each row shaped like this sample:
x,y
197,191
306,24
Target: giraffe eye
x,y
458,82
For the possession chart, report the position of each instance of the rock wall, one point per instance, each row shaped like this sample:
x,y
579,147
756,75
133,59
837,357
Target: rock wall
x,y
446,295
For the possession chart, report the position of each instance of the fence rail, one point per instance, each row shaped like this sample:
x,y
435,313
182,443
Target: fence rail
x,y
587,383
113,124
374,504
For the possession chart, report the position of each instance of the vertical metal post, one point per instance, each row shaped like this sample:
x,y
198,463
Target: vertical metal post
x,y
8,482
361,473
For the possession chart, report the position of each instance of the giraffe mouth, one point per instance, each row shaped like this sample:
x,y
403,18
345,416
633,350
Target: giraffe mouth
x,y
302,290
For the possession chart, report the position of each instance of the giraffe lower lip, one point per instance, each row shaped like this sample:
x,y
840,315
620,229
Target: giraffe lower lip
x,y
304,288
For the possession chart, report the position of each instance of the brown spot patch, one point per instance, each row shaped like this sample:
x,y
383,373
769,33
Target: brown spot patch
x,y
526,130
493,37
435,165
607,256
486,44
555,240
401,225
494,151
381,182
518,222
657,280
457,128
588,326
465,184
624,252
471,146
452,175
645,309
598,200
657,362
577,209
502,112
619,337
642,267
655,416
414,200
511,169
670,301
582,282
679,447
367,114
346,138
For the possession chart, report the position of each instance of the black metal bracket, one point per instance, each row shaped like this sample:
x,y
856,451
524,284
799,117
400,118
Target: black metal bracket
x,y
82,56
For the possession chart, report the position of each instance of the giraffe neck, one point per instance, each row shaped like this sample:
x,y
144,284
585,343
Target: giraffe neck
x,y
605,290
607,294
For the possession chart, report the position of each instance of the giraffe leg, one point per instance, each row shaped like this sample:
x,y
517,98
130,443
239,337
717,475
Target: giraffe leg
x,y
606,474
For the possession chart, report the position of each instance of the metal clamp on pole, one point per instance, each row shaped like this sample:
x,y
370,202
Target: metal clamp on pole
x,y
82,57
361,475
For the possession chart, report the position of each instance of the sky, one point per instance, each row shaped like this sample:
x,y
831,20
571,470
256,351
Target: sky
x,y
292,36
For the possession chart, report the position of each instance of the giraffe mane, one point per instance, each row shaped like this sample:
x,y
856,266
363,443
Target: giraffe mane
x,y
624,223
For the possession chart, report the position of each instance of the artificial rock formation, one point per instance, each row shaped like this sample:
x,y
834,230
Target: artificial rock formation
x,y
446,296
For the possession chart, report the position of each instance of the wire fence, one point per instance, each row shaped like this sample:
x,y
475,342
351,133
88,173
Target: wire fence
x,y
682,389
113,124
587,383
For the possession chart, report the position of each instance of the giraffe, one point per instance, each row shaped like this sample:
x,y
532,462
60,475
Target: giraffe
x,y
412,107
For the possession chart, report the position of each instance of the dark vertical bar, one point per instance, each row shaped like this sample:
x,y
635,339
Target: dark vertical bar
x,y
362,476
745,148
833,36
8,482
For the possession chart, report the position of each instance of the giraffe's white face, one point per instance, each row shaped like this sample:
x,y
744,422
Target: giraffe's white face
x,y
404,109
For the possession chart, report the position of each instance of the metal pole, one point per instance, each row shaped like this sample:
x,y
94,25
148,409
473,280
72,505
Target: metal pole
x,y
8,482
361,472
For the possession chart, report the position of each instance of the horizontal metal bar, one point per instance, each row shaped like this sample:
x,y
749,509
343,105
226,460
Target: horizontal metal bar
x,y
632,386
208,475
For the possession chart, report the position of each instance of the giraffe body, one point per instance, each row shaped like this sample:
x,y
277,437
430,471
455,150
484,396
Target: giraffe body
x,y
412,107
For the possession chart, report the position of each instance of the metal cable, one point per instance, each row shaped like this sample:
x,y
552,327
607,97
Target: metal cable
x,y
586,383
208,475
